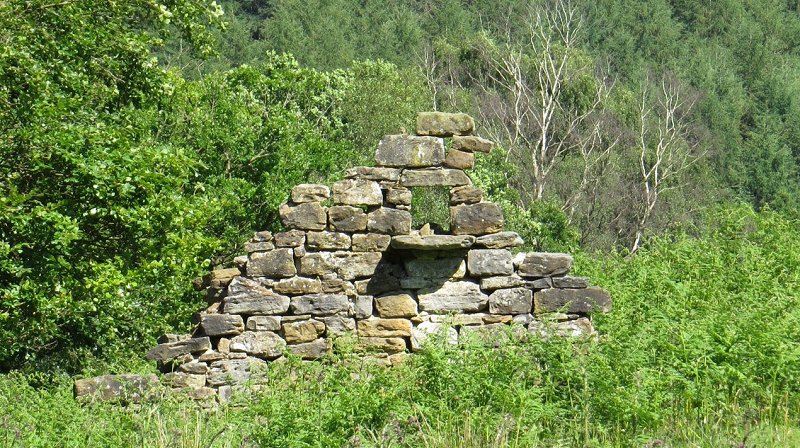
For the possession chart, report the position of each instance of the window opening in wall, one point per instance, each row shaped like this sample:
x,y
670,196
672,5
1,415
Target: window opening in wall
x,y
431,205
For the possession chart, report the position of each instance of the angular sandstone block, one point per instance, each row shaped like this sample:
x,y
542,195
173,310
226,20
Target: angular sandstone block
x,y
344,218
389,221
500,240
460,160
373,173
327,241
489,262
261,344
465,194
545,264
442,124
310,193
273,263
357,192
297,286
170,350
433,242
305,216
221,324
434,177
409,151
396,305
476,219
511,301
453,296
472,143
371,242
303,331
384,328
320,304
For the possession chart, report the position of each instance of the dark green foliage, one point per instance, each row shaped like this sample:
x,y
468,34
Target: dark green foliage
x,y
431,205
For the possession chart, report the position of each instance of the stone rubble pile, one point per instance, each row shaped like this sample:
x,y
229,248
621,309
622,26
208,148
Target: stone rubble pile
x,y
350,264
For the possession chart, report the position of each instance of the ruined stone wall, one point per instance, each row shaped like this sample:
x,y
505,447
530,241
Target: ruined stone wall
x,y
351,265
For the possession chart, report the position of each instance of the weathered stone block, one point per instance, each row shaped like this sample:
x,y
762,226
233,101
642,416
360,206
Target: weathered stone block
x,y
194,368
398,196
472,144
500,240
291,238
409,151
237,371
460,160
310,193
220,278
476,219
423,332
310,350
453,296
273,263
384,328
317,264
434,177
320,304
433,242
298,285
583,301
373,173
570,282
545,264
128,387
261,344
305,216
353,265
396,305
327,241
221,324
251,298
170,350
492,283
443,124
443,267
338,325
262,236
489,262
263,323
363,307
261,246
465,194
386,345
181,380
389,221
344,218
357,192
371,242
511,301
303,331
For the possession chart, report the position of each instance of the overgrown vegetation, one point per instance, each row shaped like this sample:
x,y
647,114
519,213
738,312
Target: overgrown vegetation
x,y
685,359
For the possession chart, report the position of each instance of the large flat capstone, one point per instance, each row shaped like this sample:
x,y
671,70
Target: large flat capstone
x,y
443,124
409,151
433,242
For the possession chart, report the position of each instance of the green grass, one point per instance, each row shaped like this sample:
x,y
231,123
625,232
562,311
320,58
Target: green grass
x,y
700,351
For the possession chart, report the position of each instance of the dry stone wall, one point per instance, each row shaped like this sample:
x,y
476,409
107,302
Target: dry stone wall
x,y
349,264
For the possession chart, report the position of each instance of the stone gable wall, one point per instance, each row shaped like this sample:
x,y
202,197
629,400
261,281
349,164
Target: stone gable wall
x,y
350,265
